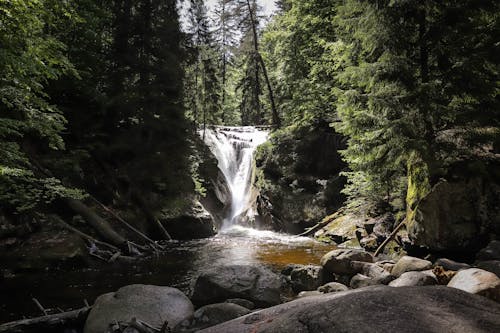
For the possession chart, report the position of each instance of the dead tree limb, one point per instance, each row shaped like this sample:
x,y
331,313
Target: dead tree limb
x,y
50,323
327,220
388,239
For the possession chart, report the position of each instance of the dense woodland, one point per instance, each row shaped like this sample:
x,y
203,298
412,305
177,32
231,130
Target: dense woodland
x,y
101,101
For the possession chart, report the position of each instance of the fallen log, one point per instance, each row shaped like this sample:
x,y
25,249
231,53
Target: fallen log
x,y
50,323
327,220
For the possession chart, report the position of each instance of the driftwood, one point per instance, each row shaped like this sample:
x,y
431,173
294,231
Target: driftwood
x,y
50,323
388,239
320,225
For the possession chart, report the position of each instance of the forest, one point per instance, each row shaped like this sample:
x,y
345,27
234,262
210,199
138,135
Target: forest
x,y
218,157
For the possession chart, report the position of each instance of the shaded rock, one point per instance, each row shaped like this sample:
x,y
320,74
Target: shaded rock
x,y
339,261
306,277
242,302
254,283
213,314
407,264
332,287
376,273
452,215
193,223
490,252
151,304
407,309
490,266
477,281
360,281
309,293
410,279
383,226
289,268
451,265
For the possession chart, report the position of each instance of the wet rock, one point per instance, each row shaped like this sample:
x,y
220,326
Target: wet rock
x,y
375,309
339,261
193,223
410,279
242,302
307,277
332,287
490,252
151,304
477,281
254,283
210,315
407,264
492,266
451,265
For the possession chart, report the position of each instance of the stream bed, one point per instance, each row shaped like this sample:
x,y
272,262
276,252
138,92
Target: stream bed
x,y
177,267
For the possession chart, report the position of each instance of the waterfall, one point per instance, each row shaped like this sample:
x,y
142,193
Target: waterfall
x,y
234,148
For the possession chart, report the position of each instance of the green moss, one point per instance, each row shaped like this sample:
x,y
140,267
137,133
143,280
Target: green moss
x,y
418,184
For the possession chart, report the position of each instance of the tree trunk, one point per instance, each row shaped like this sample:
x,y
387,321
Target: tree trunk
x,y
97,222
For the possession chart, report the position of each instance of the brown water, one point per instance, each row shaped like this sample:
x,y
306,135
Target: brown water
x,y
178,267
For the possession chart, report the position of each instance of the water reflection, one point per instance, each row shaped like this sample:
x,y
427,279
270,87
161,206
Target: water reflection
x,y
178,267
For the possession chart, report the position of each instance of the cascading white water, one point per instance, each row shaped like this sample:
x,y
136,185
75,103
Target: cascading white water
x,y
234,148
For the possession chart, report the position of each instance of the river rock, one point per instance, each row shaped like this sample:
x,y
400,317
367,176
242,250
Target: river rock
x,y
376,273
339,261
332,287
490,252
490,266
254,283
151,304
307,277
451,265
210,315
360,281
407,264
375,309
477,281
410,279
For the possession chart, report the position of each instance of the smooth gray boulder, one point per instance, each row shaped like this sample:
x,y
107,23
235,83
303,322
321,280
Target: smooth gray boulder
x,y
433,309
151,304
408,264
340,261
477,281
254,283
410,279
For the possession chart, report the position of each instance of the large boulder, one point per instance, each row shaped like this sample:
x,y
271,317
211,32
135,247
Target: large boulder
x,y
151,304
192,223
477,281
408,264
433,309
254,283
453,215
340,261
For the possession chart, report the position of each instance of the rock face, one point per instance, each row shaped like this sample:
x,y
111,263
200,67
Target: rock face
x,y
477,281
407,264
152,304
195,222
213,314
409,309
340,261
254,283
410,279
453,215
307,277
